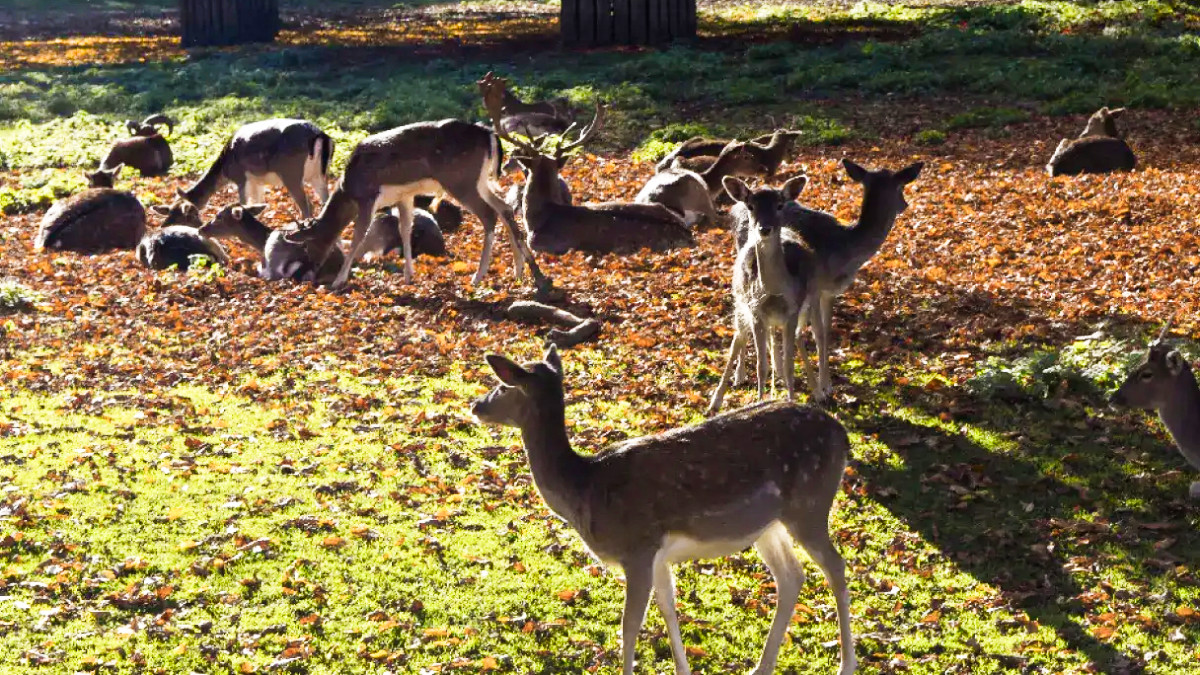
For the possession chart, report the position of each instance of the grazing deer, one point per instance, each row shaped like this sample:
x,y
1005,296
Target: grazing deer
x,y
281,259
391,168
97,219
1164,382
840,251
774,284
768,151
1101,148
271,152
764,475
175,245
146,150
692,194
555,227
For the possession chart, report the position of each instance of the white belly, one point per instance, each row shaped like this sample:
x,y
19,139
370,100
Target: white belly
x,y
677,548
390,195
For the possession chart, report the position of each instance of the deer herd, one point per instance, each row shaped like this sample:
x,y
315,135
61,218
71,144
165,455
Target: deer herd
x,y
765,475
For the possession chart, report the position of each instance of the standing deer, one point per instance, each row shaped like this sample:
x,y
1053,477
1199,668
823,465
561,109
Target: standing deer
x,y
273,152
146,150
391,168
1164,382
764,475
774,284
555,227
692,193
1101,148
768,150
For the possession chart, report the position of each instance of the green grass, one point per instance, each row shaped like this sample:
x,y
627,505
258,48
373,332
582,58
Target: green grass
x,y
1053,57
397,530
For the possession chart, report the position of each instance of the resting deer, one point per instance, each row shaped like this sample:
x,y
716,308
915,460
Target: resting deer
x,y
764,475
281,259
769,152
271,152
692,193
541,117
555,227
774,283
146,150
97,219
175,245
384,236
1101,148
391,168
1164,382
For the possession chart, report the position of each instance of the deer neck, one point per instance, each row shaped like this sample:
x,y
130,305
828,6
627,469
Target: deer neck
x,y
203,189
875,220
541,191
253,232
1181,416
336,214
772,271
560,474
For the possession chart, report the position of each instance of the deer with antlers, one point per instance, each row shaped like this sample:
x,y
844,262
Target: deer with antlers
x,y
556,227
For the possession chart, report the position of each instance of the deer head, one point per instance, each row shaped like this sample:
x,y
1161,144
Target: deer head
x,y
1104,123
1153,382
103,178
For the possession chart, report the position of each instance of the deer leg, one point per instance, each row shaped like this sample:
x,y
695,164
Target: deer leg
x,y
294,184
761,338
813,535
775,547
314,176
404,212
664,597
788,335
737,352
543,283
825,381
802,348
639,580
366,208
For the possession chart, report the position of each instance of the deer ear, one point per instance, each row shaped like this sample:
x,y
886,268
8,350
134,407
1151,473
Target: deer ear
x,y
507,371
552,358
116,170
180,193
909,173
161,209
856,172
736,188
254,209
793,188
1116,112
1175,363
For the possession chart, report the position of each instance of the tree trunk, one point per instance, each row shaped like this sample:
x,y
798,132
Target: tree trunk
x,y
586,23
228,22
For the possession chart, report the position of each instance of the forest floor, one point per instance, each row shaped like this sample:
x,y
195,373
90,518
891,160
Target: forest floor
x,y
208,472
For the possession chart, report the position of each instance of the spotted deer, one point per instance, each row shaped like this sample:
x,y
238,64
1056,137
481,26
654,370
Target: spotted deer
x,y
764,475
146,150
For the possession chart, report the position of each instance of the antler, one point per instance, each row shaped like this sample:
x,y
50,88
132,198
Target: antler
x,y
588,131
492,88
160,118
1163,333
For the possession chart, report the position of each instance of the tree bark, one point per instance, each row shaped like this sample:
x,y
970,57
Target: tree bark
x,y
228,22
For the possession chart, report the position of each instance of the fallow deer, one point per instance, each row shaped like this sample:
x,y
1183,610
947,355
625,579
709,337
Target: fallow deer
x,y
146,149
764,475
1101,148
97,219
281,259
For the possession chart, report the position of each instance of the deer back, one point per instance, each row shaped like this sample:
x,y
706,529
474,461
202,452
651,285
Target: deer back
x,y
175,245
92,221
1093,154
273,146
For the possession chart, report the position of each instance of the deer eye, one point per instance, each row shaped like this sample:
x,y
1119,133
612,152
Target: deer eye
x,y
1145,376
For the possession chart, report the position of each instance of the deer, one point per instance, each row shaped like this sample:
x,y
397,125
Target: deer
x,y
276,152
384,235
99,218
1101,148
840,251
774,284
541,117
281,259
175,245
1164,382
692,194
146,149
768,150
764,475
555,227
392,167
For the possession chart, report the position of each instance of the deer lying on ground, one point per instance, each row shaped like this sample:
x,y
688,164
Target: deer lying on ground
x,y
146,150
1101,148
774,284
281,259
840,251
766,475
391,168
555,227
692,194
97,219
532,119
1164,382
273,152
175,245
768,151
384,236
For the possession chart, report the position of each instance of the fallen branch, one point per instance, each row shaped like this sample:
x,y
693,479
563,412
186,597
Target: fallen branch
x,y
578,329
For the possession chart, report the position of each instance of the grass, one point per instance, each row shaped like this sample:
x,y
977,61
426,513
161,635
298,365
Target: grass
x,y
1049,57
348,522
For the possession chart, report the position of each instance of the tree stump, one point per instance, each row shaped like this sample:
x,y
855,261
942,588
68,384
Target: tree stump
x,y
228,22
594,23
